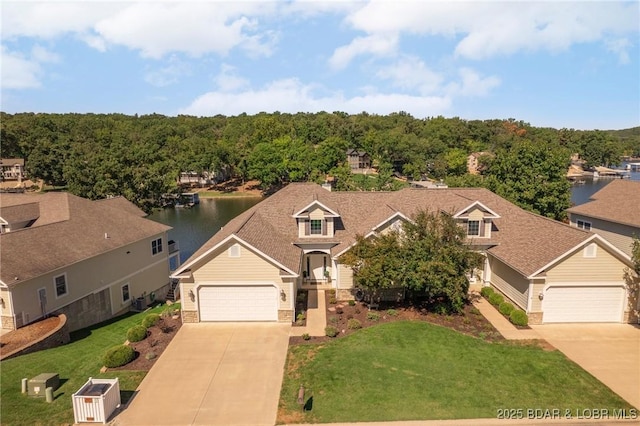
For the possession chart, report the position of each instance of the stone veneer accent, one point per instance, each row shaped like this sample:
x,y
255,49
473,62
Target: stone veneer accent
x,y
56,337
8,323
342,294
285,315
631,317
535,318
189,316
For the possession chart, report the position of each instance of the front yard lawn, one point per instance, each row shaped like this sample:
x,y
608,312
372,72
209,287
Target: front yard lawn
x,y
75,363
412,370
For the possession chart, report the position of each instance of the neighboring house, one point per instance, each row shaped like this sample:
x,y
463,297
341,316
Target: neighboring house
x,y
12,169
204,178
473,165
253,267
613,212
358,160
87,259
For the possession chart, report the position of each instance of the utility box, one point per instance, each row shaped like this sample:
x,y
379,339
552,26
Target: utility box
x,y
37,385
96,400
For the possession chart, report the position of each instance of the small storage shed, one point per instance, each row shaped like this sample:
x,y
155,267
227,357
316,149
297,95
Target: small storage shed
x,y
96,400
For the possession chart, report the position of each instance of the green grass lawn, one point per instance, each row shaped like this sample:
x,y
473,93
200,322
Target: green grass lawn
x,y
420,371
75,363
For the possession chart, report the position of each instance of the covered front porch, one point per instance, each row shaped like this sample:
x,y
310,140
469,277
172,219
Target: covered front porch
x,y
317,270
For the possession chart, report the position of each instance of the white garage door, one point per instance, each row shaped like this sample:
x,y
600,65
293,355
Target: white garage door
x,y
583,304
238,303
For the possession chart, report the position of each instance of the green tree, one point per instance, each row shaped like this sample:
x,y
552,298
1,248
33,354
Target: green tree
x,y
635,254
532,175
429,257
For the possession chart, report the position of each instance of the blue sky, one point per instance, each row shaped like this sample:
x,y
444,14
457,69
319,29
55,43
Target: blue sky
x,y
558,64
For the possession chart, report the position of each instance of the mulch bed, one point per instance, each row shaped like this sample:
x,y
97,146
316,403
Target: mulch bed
x,y
470,321
16,339
149,349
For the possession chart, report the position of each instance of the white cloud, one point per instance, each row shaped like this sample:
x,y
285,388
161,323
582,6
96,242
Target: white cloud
x,y
621,48
290,95
40,54
488,29
379,45
228,81
410,73
472,84
169,74
18,72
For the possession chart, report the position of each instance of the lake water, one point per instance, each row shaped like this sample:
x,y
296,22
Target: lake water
x,y
192,227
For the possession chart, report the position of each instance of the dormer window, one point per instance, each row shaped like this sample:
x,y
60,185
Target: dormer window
x,y
473,228
315,227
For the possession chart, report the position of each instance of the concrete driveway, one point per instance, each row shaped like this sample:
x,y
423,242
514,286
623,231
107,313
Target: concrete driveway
x,y
610,352
214,374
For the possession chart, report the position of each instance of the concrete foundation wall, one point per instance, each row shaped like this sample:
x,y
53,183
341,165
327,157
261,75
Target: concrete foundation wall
x,y
87,311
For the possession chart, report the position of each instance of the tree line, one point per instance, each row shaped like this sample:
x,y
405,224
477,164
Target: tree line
x,y
141,157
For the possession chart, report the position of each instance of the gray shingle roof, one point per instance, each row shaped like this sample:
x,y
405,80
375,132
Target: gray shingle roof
x,y
618,201
523,240
68,230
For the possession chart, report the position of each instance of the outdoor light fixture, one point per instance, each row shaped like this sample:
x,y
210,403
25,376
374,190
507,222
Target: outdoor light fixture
x,y
283,295
1,302
541,295
191,295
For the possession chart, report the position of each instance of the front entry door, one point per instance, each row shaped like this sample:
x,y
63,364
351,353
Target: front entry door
x,y
316,266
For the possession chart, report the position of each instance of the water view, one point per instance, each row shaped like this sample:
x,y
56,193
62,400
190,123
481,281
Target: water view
x,y
192,227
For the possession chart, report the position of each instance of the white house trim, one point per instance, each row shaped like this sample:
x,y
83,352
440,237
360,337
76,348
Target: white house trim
x,y
493,215
300,215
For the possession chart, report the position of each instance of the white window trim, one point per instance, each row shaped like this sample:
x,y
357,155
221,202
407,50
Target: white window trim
x,y
66,286
477,234
158,251
322,225
122,294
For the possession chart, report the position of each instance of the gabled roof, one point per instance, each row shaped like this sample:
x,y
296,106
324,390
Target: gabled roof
x,y
479,205
618,202
523,240
304,212
69,229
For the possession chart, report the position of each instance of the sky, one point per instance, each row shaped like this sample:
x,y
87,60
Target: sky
x,y
561,64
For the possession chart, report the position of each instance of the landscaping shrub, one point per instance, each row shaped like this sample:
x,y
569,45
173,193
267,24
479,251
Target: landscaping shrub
x,y
519,317
150,355
352,303
333,300
118,356
333,320
301,317
475,311
496,299
306,336
354,324
373,316
331,331
486,291
506,308
392,312
150,320
136,333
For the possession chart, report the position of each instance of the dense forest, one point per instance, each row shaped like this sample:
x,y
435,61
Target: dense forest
x,y
141,157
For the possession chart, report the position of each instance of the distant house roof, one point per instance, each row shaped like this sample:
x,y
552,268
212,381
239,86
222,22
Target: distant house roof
x,y
618,201
9,162
67,229
525,241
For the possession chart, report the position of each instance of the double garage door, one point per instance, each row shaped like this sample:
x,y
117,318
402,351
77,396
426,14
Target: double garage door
x,y
583,304
238,303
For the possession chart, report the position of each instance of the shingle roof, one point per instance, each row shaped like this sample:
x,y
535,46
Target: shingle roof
x,y
68,230
618,201
523,240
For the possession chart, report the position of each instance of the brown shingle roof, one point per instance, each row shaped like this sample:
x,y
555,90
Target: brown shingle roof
x,y
523,240
69,229
618,201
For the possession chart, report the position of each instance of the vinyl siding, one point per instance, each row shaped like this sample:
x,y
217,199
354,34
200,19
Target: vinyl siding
x,y
345,277
576,268
476,214
536,303
509,282
618,235
144,272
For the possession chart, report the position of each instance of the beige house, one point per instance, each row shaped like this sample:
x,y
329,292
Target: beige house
x,y
473,163
87,259
358,160
613,212
252,269
12,168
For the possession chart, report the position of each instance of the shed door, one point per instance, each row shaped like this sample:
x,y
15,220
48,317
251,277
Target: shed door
x,y
238,303
583,304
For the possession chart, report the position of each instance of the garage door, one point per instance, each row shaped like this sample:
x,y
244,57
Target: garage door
x,y
583,304
238,303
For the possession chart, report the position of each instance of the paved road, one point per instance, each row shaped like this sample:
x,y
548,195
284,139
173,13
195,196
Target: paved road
x,y
214,374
